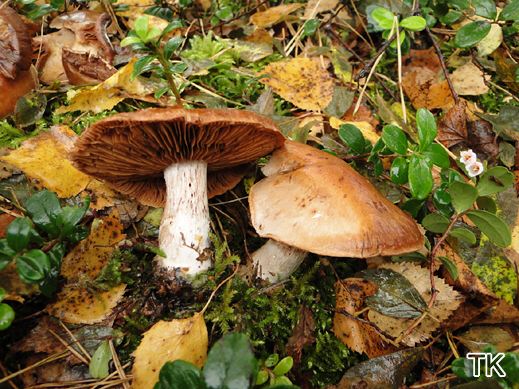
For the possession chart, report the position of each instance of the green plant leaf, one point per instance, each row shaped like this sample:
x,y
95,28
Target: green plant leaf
x,y
230,363
6,253
426,126
471,34
141,65
395,139
462,195
173,25
141,27
69,218
310,27
224,13
383,17
272,360
353,138
130,40
6,316
98,366
44,208
283,367
450,266
399,171
437,155
179,375
464,234
485,8
420,177
172,45
492,226
19,233
262,377
436,223
511,11
494,180
396,296
451,17
33,266
487,203
413,23
153,34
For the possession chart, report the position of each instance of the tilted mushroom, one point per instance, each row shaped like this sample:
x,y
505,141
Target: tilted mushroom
x,y
181,150
312,201
80,32
15,60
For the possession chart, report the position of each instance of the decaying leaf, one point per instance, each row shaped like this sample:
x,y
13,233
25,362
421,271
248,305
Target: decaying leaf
x,y
44,160
452,128
302,335
492,41
469,80
109,93
315,7
15,288
365,127
301,81
77,304
85,68
184,339
356,333
447,301
274,15
476,338
133,9
386,372
92,254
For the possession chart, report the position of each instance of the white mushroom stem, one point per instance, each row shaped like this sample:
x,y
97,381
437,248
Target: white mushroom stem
x,y
184,230
276,261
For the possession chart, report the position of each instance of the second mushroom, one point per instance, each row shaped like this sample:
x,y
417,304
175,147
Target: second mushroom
x,y
172,155
314,202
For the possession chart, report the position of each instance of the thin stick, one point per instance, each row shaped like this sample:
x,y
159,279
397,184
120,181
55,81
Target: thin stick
x,y
399,56
79,345
375,60
442,63
218,287
69,347
117,364
44,361
448,378
5,372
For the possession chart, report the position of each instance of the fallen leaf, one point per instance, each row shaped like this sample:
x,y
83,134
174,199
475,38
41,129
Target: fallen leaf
x,y
356,333
92,254
274,15
386,372
447,301
365,127
315,7
78,305
425,92
506,69
15,288
452,127
364,114
482,139
301,81
302,334
499,314
505,121
5,220
476,338
492,41
109,93
133,9
469,80
184,339
44,160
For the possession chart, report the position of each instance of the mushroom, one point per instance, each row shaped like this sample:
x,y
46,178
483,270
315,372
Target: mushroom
x,y
312,201
15,60
84,68
181,150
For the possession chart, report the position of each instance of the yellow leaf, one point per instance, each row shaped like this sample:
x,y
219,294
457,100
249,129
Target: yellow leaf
x,y
79,305
365,127
109,93
102,195
136,8
491,42
91,255
273,15
43,159
301,81
184,339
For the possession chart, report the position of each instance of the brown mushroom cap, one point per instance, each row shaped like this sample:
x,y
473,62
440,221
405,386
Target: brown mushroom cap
x,y
15,44
12,90
85,68
132,150
316,202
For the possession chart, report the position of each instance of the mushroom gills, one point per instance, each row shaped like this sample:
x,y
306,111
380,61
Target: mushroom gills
x,y
184,230
276,261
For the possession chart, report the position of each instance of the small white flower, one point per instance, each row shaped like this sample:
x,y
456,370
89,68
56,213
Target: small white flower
x,y
468,157
474,169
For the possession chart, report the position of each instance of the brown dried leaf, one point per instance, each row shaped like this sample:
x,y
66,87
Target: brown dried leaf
x,y
425,92
85,68
482,139
356,333
469,80
273,15
302,334
301,81
476,338
15,44
447,301
184,339
452,128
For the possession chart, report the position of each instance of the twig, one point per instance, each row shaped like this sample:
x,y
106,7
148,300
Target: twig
x,y
69,347
118,366
218,287
44,361
442,63
4,370
373,62
79,345
399,57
